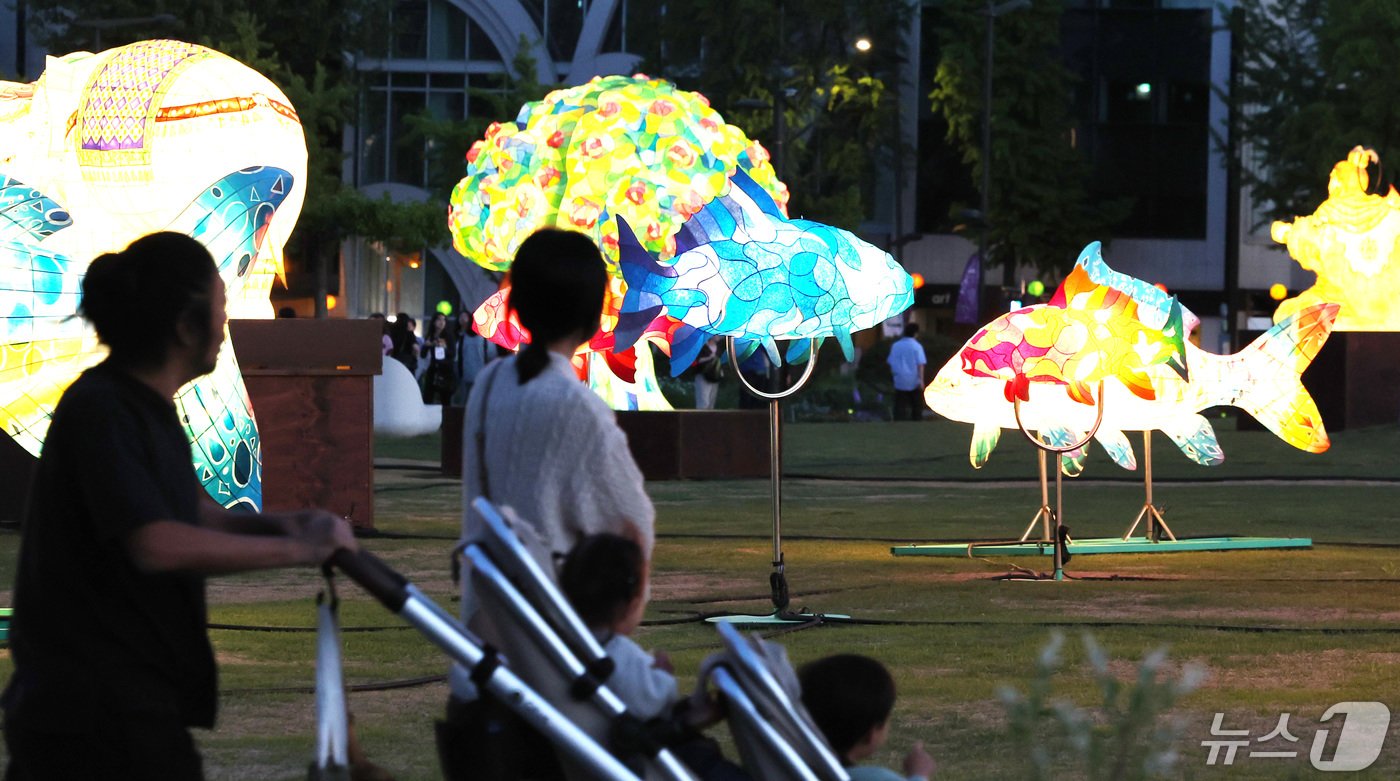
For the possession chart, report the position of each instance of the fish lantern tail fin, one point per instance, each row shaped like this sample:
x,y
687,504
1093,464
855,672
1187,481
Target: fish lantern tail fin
x,y
1270,371
640,305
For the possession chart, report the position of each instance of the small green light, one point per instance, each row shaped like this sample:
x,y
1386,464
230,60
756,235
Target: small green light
x,y
444,308
1036,287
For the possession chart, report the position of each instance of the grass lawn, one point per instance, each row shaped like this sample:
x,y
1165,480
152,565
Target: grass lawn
x,y
1276,631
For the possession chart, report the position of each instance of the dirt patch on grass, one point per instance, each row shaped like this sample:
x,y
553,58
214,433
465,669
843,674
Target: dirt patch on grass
x,y
272,586
1102,605
1328,669
1294,615
682,586
1172,607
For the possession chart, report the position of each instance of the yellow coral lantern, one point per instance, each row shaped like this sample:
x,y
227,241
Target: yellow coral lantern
x,y
1352,244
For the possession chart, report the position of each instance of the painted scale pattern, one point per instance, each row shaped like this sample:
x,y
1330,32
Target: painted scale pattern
x,y
1086,333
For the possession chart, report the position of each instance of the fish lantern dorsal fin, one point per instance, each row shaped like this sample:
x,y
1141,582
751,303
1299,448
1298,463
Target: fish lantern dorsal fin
x,y
761,197
1077,282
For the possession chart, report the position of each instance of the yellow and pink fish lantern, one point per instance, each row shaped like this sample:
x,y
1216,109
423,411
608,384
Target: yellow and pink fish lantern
x,y
1136,347
630,147
105,148
1352,244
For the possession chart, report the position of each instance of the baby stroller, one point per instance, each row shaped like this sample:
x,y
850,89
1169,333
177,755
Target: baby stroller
x,y
488,671
776,738
522,610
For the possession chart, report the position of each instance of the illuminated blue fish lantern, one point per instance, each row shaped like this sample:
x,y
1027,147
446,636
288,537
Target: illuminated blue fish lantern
x,y
744,270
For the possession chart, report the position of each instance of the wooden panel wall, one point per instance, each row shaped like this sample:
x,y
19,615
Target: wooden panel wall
x,y
311,383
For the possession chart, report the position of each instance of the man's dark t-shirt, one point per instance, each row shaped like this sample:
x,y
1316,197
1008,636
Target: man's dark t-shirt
x,y
94,638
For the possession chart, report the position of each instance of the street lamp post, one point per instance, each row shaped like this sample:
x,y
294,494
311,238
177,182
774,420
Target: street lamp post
x,y
991,13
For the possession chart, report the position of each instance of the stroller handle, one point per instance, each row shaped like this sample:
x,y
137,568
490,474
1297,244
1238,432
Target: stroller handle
x,y
376,577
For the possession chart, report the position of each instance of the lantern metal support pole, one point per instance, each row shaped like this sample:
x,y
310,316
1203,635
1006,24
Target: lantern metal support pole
x,y
1155,523
1061,537
777,580
1044,514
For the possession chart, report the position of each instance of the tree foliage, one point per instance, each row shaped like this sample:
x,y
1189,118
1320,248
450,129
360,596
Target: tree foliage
x,y
838,109
1315,78
446,141
1041,212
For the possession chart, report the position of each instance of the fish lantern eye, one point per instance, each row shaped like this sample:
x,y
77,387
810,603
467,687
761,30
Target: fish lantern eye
x,y
1278,291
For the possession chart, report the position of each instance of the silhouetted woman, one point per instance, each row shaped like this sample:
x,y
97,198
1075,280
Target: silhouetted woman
x,y
539,441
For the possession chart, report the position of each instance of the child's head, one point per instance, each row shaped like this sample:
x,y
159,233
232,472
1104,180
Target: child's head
x,y
850,697
604,577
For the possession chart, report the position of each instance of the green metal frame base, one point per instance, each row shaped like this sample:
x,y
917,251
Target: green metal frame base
x,y
1090,547
776,619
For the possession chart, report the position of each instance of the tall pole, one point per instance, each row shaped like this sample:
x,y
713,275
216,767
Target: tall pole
x,y
1008,271
777,581
1232,194
986,159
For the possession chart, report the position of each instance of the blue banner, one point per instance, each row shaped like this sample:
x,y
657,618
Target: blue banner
x,y
969,293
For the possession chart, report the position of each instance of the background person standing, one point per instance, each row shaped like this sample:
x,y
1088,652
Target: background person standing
x,y
439,351
473,353
907,361
709,370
